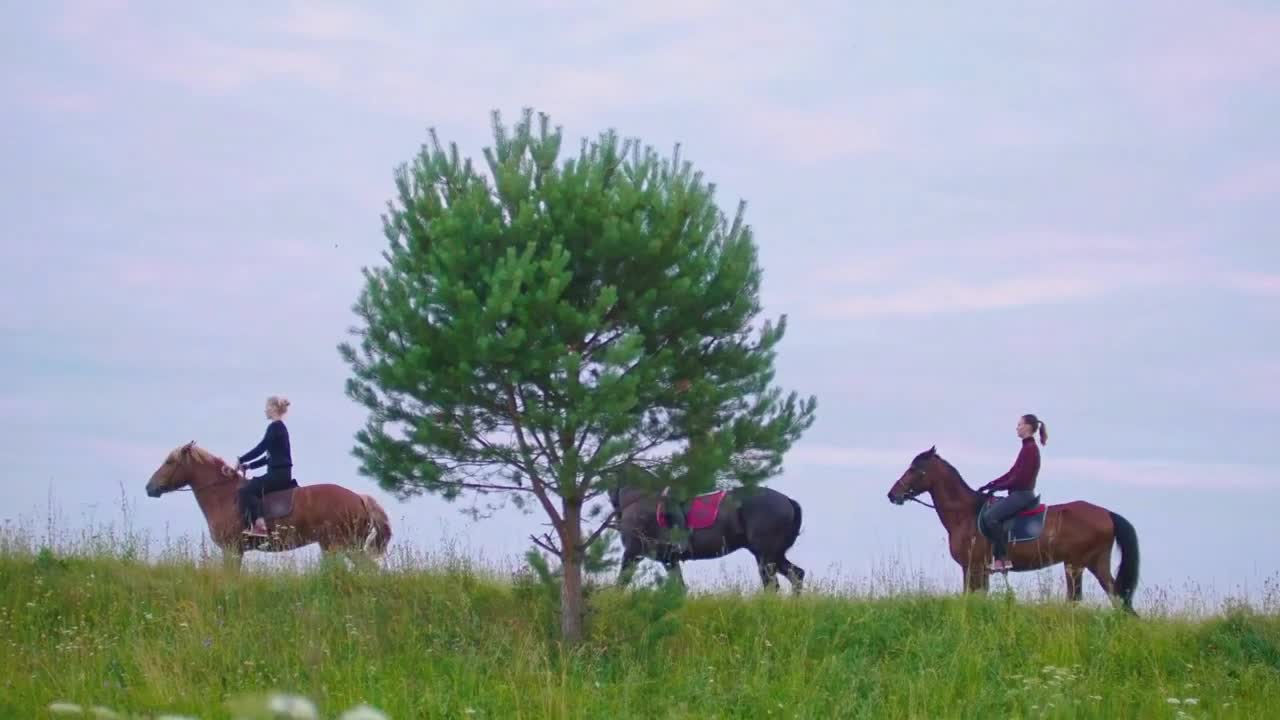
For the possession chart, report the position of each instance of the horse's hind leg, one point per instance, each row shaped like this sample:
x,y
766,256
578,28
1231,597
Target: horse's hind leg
x,y
794,574
1100,567
1075,582
768,573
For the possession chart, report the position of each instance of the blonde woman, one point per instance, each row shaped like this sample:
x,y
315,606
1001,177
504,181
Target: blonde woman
x,y
278,461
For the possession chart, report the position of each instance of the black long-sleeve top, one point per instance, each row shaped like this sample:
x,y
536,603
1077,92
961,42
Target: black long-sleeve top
x,y
276,445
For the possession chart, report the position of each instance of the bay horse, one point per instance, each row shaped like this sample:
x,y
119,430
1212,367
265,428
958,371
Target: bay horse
x,y
340,520
762,520
1078,534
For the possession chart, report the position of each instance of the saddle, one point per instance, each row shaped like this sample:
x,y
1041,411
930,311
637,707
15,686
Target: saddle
x,y
1023,527
700,513
278,503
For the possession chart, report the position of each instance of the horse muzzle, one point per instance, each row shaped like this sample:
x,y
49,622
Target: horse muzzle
x,y
153,492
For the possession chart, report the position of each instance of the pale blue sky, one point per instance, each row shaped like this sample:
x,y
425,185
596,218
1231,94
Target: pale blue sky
x,y
967,212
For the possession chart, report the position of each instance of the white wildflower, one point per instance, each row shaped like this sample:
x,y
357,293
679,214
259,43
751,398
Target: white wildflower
x,y
65,708
294,707
364,712
104,713
1173,701
1190,701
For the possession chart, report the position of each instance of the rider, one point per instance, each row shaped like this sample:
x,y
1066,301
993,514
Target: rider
x,y
678,532
279,463
1020,481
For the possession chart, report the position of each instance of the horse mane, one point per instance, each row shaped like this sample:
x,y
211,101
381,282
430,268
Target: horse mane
x,y
933,453
200,455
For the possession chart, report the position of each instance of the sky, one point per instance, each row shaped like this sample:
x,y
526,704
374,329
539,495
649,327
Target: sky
x,y
1069,209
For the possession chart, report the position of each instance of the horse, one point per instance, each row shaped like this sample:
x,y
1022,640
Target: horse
x,y
762,520
1078,534
340,520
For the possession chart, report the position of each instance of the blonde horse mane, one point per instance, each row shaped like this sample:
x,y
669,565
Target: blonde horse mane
x,y
201,457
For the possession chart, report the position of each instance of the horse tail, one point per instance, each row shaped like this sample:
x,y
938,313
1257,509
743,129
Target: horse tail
x,y
1127,574
795,527
375,543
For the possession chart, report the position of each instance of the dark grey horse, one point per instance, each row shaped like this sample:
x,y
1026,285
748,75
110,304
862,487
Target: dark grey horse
x,y
762,520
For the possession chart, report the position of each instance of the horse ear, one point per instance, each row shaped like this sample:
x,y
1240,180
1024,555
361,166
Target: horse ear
x,y
933,450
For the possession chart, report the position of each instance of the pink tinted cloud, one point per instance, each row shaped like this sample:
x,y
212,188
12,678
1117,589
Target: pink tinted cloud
x,y
1189,62
887,464
1256,182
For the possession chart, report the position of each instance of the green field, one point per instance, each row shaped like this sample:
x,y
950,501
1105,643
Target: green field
x,y
105,626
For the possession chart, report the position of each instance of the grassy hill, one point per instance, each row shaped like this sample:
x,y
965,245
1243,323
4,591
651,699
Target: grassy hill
x,y
185,638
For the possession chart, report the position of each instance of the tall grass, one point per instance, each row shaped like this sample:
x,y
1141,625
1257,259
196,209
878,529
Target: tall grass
x,y
106,623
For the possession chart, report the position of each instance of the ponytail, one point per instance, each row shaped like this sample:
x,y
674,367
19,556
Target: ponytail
x,y
1036,424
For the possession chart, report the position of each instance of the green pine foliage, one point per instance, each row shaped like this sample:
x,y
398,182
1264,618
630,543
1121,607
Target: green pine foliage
x,y
543,322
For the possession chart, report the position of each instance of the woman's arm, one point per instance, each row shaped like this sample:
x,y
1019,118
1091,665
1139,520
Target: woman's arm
x,y
259,448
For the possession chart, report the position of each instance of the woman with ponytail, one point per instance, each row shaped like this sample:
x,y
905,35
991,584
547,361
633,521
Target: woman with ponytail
x,y
273,452
1020,482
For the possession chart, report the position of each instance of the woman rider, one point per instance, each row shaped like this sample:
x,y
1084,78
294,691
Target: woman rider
x,y
277,459
1020,481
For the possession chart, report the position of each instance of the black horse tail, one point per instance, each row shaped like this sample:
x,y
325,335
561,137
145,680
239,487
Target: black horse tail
x,y
795,529
1127,574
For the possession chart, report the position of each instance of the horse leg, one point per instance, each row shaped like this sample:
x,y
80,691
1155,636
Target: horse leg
x,y
232,559
768,573
673,571
976,578
1100,568
627,568
794,574
1075,582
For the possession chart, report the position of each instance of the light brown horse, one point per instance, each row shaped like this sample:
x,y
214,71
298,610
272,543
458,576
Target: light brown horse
x,y
1078,534
340,520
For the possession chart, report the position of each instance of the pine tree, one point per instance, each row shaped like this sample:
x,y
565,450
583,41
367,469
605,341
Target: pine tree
x,y
535,328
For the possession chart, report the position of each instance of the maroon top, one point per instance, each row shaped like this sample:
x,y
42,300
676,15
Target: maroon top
x,y
1022,476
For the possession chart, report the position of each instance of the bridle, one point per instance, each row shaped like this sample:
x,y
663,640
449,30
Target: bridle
x,y
913,495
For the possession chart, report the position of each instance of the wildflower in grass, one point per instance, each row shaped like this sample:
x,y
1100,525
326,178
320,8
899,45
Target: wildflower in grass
x,y
1190,701
1173,701
104,713
364,712
65,708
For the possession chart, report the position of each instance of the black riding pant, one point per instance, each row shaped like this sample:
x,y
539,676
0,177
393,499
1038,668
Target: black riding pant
x,y
1004,509
276,478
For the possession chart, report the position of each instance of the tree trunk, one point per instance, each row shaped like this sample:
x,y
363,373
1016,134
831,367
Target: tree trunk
x,y
571,599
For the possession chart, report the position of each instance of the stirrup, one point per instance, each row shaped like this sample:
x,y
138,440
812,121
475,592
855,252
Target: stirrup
x,y
252,531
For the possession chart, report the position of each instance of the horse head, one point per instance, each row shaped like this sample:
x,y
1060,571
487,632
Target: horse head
x,y
917,479
179,467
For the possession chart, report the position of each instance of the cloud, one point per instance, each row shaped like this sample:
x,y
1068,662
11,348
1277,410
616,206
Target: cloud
x,y
1185,65
948,296
1012,270
1259,181
1134,472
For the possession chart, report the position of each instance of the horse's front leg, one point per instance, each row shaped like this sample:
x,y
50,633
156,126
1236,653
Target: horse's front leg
x,y
976,578
673,571
232,559
627,568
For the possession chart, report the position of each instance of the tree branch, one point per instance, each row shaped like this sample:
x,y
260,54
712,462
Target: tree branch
x,y
608,523
539,486
547,544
